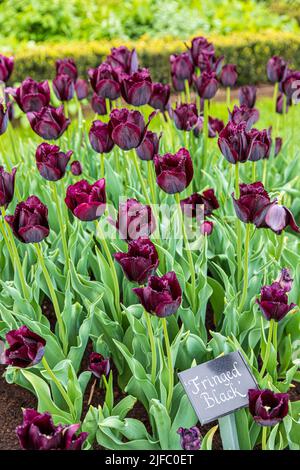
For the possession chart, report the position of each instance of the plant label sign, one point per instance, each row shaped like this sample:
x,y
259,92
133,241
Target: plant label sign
x,y
218,387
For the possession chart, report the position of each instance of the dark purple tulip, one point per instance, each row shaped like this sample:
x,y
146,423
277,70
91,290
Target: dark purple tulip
x,y
123,59
105,81
181,66
149,147
211,64
100,137
49,123
6,67
229,75
261,144
278,146
67,67
277,218
99,365
134,220
63,87
136,89
247,95
161,296
206,227
81,88
190,439
285,280
51,162
253,199
25,348
31,95
140,261
128,128
244,114
98,105
179,85
38,432
291,85
86,201
235,142
201,50
280,104
215,126
193,203
7,186
268,408
276,69
174,172
274,302
160,96
30,221
185,116
206,85
3,119
76,168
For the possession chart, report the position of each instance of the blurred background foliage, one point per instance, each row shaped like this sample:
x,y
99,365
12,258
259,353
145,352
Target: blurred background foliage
x,y
88,20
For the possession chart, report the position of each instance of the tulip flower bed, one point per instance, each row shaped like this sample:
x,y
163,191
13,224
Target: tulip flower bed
x,y
156,237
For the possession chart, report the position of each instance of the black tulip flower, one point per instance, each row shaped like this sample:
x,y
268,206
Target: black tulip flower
x,y
215,126
134,220
276,69
7,186
31,95
160,96
76,168
278,146
100,137
4,116
247,96
185,116
98,105
123,59
30,221
51,161
206,85
162,295
280,104
26,348
128,128
235,142
253,199
99,365
192,204
63,87
6,67
140,261
81,88
49,123
86,201
268,408
261,144
229,75
244,114
149,147
285,280
182,67
201,50
136,89
277,218
174,172
273,302
291,85
71,440
67,67
105,81
190,439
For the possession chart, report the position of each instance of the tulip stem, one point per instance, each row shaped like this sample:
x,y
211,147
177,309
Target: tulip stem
x,y
140,176
205,133
187,91
228,97
264,438
151,181
60,387
170,364
5,237
238,228
268,348
253,172
275,329
102,165
62,228
62,332
275,100
153,348
107,104
246,268
264,177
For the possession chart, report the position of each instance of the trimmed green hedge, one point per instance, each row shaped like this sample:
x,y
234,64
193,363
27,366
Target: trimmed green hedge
x,y
250,52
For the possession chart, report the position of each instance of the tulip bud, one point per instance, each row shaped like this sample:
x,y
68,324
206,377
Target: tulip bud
x,y
149,147
276,69
49,123
185,116
63,87
247,96
174,172
30,221
207,85
136,88
105,81
278,145
100,137
51,162
229,75
140,261
81,88
273,302
98,365
3,119
67,67
190,439
160,96
268,408
123,59
76,168
26,348
6,67
7,186
244,114
128,128
285,280
86,202
206,227
98,105
31,95
162,296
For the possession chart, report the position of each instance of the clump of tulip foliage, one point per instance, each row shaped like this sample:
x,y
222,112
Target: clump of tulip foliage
x,y
142,226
